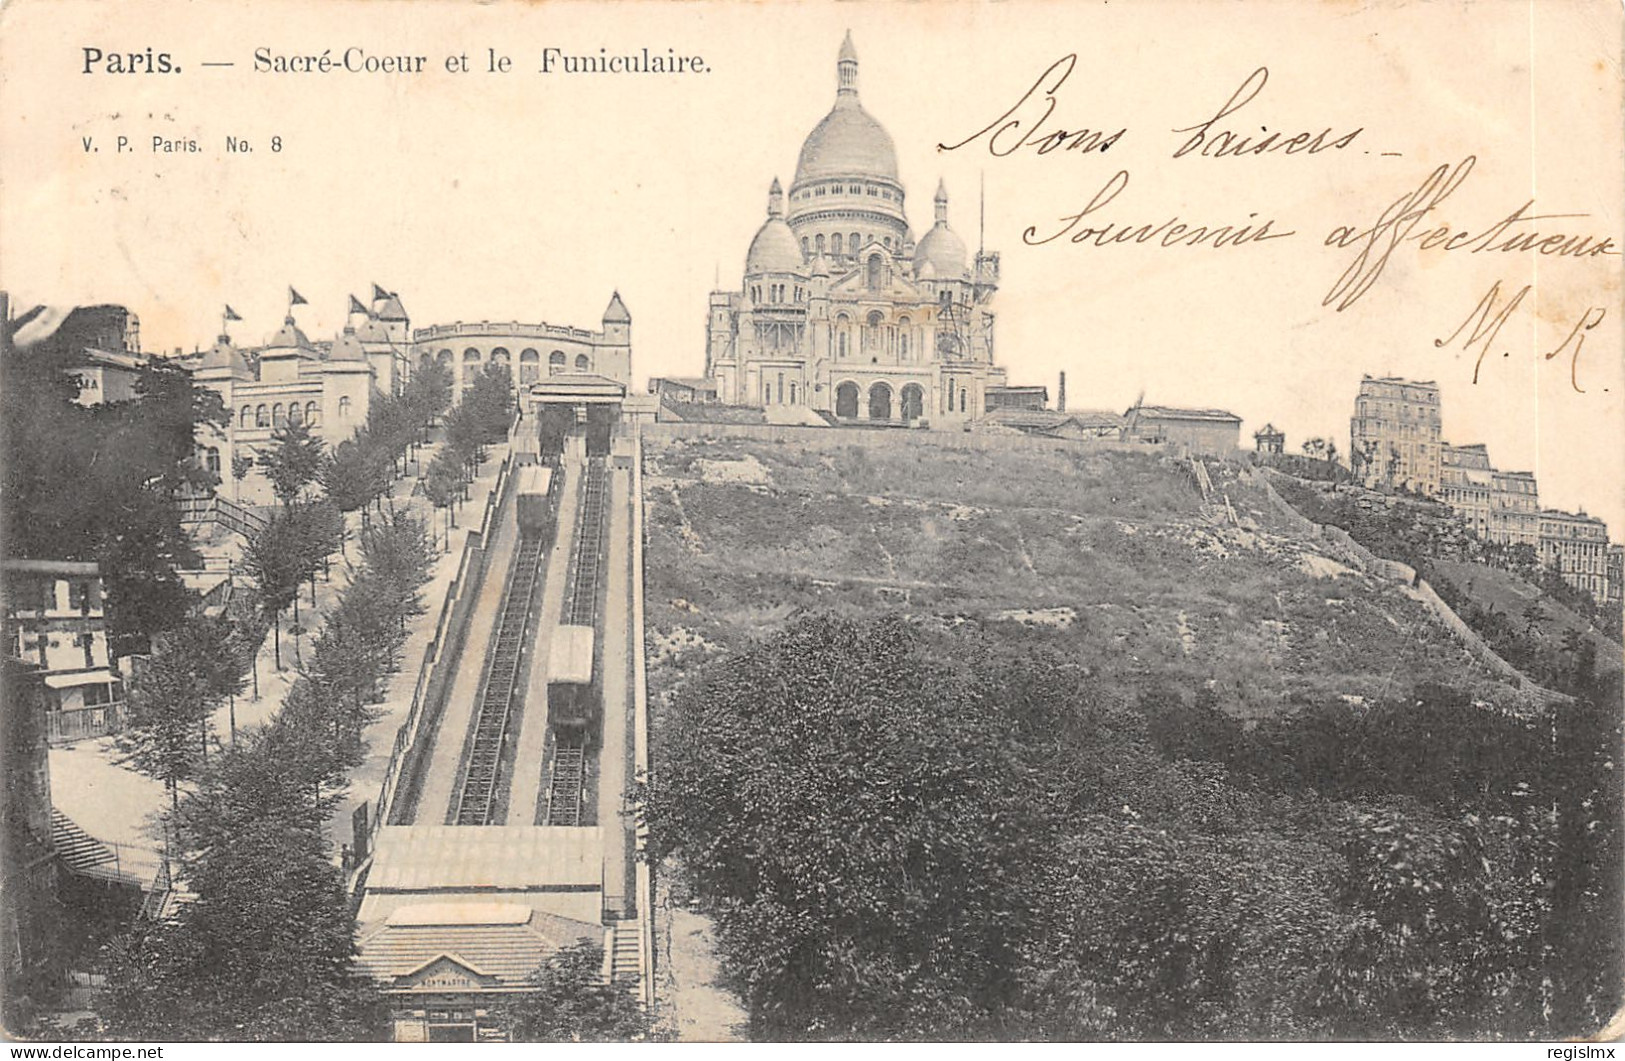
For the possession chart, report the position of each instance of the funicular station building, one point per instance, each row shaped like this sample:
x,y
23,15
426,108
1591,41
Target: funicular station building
x,y
508,837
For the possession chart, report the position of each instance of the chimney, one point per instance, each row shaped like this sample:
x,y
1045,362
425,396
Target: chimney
x,y
1060,399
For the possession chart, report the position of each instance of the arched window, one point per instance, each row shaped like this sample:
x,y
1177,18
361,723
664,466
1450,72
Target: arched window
x,y
311,416
344,408
248,416
278,417
820,243
500,354
583,362
913,402
444,357
555,361
529,356
902,338
853,245
211,460
842,325
962,393
792,394
262,417
804,246
530,365
471,354
880,402
296,413
846,401
835,244
876,272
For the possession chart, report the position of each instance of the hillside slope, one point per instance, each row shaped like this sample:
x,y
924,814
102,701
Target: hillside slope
x,y
1108,555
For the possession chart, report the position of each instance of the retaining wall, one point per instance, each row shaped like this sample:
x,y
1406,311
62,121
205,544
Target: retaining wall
x,y
1362,559
824,438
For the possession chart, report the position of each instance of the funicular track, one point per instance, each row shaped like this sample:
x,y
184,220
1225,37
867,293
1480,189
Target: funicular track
x,y
477,796
581,606
564,792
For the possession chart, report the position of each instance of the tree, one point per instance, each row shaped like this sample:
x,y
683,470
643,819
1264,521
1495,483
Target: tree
x,y
278,558
570,1003
854,807
293,462
265,949
352,475
127,460
168,709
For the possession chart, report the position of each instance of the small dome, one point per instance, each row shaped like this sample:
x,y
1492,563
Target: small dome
x,y
774,250
290,339
943,250
347,347
223,355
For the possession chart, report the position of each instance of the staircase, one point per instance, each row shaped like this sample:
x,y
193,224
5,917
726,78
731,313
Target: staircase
x,y
626,954
78,850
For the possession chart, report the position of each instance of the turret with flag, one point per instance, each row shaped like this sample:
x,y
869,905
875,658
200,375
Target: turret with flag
x,y
356,306
226,318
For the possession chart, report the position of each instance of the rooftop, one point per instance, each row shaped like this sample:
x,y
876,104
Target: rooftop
x,y
1167,412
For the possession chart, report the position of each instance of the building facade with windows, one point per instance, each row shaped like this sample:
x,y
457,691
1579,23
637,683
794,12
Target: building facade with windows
x,y
1467,485
1394,434
1514,509
530,352
841,310
1575,545
328,387
55,619
1207,432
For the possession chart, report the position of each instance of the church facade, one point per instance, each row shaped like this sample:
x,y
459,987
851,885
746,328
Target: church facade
x,y
842,311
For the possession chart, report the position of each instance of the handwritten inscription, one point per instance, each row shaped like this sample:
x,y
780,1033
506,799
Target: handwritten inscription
x,y
1402,222
1022,125
1209,142
1170,233
1046,120
1484,323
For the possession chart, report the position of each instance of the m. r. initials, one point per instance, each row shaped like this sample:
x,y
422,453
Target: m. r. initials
x,y
1484,323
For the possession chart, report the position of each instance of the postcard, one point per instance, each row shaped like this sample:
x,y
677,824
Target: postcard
x,y
812,522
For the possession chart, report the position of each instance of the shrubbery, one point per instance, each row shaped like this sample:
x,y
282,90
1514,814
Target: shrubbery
x,y
913,835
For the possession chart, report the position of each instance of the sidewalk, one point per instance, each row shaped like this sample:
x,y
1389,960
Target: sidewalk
x,y
117,804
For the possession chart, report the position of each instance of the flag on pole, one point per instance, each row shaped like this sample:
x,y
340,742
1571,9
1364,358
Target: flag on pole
x,y
356,306
231,314
378,293
295,298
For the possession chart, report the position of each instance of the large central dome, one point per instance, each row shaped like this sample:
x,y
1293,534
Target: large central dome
x,y
848,142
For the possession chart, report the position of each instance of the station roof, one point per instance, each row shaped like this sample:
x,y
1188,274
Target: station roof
x,y
438,858
577,387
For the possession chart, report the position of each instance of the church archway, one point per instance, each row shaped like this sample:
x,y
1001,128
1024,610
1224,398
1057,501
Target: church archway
x,y
913,401
880,402
846,401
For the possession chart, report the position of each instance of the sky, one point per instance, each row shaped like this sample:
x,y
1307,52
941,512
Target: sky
x,y
532,196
